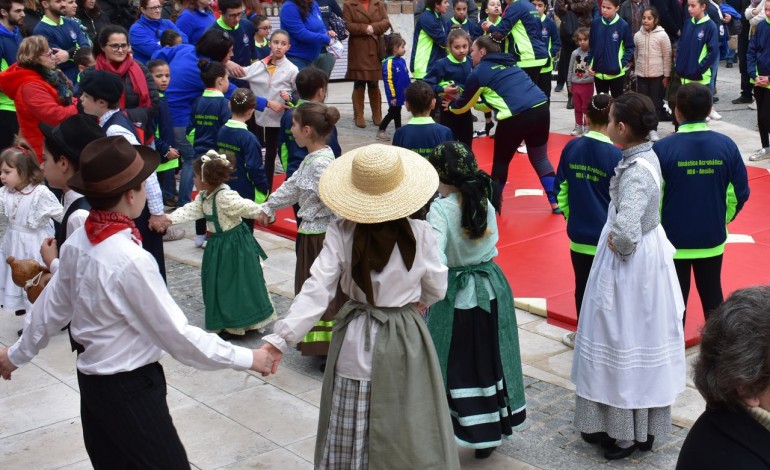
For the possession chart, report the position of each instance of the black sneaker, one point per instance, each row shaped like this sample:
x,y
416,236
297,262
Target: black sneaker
x,y
743,100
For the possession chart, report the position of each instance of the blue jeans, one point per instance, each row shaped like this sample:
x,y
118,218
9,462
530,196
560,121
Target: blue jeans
x,y
186,155
714,70
300,62
730,57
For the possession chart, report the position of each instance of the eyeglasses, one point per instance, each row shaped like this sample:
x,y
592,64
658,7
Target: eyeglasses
x,y
236,15
117,47
50,53
154,8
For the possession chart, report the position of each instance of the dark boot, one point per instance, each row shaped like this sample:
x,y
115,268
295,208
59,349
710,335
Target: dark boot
x,y
375,102
569,102
358,107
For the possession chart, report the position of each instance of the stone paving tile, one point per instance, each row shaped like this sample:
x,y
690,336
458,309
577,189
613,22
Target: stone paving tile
x,y
57,445
548,439
277,459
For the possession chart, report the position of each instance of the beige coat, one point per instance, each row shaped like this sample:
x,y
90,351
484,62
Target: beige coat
x,y
652,55
363,61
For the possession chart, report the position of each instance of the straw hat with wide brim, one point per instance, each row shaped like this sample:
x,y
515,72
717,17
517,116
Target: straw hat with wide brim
x,y
377,183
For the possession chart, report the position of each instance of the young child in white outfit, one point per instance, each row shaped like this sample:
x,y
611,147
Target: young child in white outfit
x,y
29,207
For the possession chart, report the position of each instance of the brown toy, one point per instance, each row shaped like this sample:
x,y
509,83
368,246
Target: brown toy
x,y
29,275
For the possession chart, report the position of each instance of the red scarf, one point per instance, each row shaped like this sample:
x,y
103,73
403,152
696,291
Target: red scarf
x,y
101,225
135,73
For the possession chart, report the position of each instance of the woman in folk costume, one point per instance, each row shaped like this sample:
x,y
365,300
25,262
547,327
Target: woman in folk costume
x,y
629,362
474,327
383,404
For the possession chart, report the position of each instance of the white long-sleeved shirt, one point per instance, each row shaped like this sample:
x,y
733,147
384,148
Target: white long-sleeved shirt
x,y
426,282
151,185
120,311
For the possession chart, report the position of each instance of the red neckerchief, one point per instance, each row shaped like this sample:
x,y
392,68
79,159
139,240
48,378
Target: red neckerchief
x,y
101,225
135,73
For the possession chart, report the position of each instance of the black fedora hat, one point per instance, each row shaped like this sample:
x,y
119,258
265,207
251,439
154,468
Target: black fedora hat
x,y
111,166
72,135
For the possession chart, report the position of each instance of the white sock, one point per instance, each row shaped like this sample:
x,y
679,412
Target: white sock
x,y
200,239
624,444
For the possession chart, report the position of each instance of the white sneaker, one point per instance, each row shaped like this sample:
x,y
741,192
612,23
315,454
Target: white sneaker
x,y
522,148
715,115
382,135
577,130
753,106
761,154
569,340
653,136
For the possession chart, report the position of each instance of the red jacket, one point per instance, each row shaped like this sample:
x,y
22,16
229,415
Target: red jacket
x,y
36,101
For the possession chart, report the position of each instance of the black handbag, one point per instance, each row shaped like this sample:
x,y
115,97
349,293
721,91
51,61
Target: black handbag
x,y
339,26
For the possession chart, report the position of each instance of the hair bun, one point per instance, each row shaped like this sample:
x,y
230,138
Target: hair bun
x,y
649,120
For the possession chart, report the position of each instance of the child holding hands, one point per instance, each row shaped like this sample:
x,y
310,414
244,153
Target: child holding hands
x,y
234,290
312,123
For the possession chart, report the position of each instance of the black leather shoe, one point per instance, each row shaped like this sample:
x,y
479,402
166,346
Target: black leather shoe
x,y
617,453
729,65
743,100
646,446
20,332
484,453
600,438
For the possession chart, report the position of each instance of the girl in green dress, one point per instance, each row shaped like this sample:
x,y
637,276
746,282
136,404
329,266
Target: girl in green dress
x,y
234,289
474,327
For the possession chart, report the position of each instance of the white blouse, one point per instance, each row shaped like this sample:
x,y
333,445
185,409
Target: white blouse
x,y
395,286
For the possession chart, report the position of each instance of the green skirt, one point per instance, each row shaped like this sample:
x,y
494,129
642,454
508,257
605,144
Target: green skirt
x,y
234,289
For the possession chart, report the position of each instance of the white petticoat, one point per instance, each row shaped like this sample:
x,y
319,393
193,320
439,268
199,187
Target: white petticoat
x,y
629,350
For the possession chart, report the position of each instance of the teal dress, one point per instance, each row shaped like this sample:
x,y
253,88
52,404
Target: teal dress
x,y
475,333
234,289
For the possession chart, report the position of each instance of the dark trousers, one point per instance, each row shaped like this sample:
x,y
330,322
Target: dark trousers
x,y
708,280
581,265
544,83
652,87
394,114
763,114
743,47
567,47
461,126
152,241
126,422
531,127
9,127
533,73
614,87
268,138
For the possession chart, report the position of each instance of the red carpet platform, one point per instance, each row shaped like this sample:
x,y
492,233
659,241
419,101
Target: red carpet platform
x,y
534,249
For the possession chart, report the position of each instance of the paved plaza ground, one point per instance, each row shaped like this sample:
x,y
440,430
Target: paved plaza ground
x,y
238,420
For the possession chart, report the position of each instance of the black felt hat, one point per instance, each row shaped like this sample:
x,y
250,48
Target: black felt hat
x,y
71,136
102,85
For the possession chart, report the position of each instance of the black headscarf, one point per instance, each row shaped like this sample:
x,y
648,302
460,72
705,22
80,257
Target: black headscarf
x,y
456,165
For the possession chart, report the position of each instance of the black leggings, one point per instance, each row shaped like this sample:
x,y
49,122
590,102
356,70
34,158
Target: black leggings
x,y
363,83
581,265
652,87
531,127
763,114
533,73
708,280
461,126
268,137
544,83
394,114
614,87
